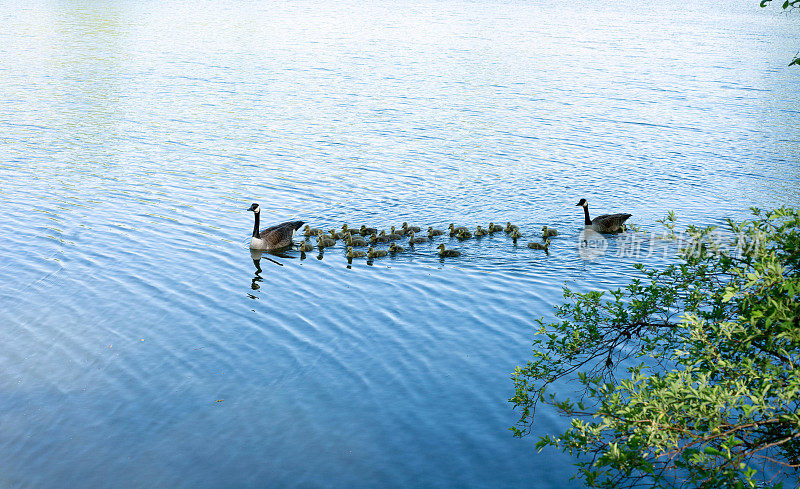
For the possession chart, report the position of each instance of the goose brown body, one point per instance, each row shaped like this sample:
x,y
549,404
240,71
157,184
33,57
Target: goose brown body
x,y
274,237
605,223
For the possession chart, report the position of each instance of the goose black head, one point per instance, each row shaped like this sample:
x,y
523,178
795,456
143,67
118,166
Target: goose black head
x,y
582,202
255,208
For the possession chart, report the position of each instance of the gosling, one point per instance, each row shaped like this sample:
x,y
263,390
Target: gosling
x,y
308,231
480,232
389,237
463,234
306,246
412,240
455,230
540,246
324,242
510,228
377,238
347,229
494,228
434,232
515,234
443,252
406,227
365,231
375,253
351,240
336,235
548,232
394,248
394,235
354,254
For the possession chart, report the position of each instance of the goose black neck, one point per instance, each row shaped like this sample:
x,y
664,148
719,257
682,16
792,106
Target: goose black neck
x,y
255,226
587,221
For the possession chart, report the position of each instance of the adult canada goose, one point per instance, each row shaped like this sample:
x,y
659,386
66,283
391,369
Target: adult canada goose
x,y
274,237
443,252
393,248
540,246
607,223
375,253
548,232
434,232
412,240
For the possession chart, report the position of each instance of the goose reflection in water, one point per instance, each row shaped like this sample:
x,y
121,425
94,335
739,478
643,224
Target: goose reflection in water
x,y
257,255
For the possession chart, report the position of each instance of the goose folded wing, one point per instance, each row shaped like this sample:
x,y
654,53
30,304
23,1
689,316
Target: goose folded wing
x,y
610,221
280,234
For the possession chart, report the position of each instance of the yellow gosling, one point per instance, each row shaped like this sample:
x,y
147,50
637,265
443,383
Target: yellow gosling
x,y
371,253
444,252
494,228
434,232
412,240
354,254
548,232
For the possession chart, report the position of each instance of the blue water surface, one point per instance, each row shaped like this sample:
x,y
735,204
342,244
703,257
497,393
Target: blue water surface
x,y
139,347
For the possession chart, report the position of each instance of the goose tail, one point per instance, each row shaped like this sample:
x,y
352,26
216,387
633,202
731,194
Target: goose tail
x,y
296,224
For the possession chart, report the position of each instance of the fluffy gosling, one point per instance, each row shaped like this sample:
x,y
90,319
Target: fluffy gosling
x,y
324,242
434,232
351,253
548,232
351,240
412,240
308,231
540,246
455,230
365,231
444,252
371,253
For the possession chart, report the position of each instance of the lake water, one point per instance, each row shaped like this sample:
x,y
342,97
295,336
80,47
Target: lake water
x,y
140,348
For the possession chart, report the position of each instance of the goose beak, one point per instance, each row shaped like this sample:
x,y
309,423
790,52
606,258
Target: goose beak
x,y
578,204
